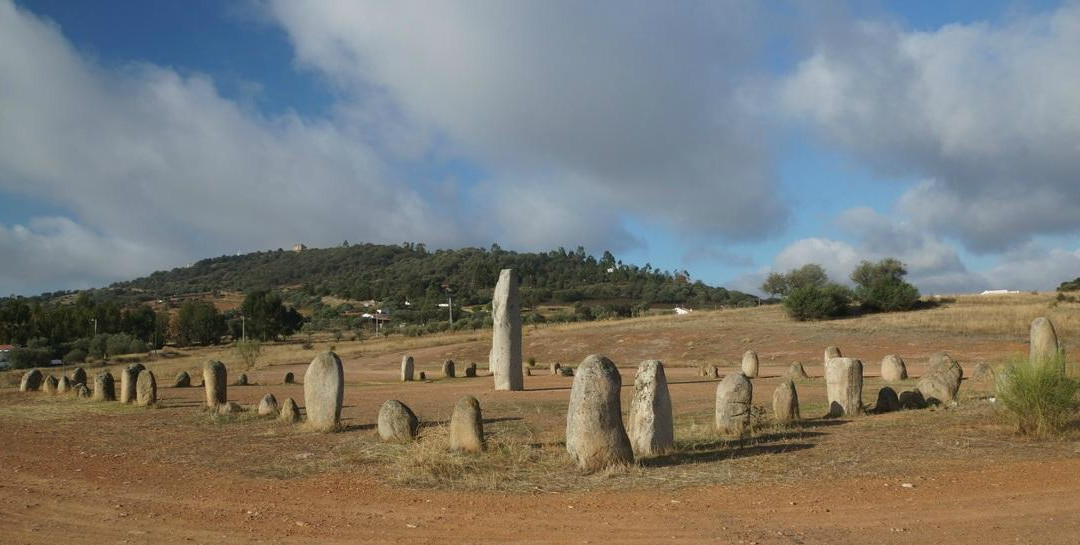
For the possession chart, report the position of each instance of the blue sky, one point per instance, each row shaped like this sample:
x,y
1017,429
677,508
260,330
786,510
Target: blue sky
x,y
729,139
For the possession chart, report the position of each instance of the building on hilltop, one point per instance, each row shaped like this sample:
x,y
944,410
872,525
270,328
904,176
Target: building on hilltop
x,y
299,247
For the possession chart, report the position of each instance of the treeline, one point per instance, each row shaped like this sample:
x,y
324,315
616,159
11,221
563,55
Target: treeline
x,y
409,272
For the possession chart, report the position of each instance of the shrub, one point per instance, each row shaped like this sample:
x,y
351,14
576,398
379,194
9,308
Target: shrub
x,y
881,286
1040,398
76,355
25,358
817,302
248,351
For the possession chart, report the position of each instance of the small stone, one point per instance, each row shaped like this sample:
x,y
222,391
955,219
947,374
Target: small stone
x,y
832,352
63,386
82,391
31,381
78,376
467,426
423,375
887,401
242,380
289,413
893,368
470,371
796,371
733,397
397,422
104,387
983,372
406,368
268,406
785,402
289,378
229,407
555,366
448,369
49,385
750,364
182,380
912,399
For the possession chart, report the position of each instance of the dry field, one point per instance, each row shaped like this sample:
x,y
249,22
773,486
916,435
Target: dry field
x,y
83,472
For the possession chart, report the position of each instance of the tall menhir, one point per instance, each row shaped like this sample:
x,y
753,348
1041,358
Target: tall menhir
x,y
505,358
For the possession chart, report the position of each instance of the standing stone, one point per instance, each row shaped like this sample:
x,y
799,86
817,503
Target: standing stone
x,y
31,381
470,371
289,378
785,402
448,369
406,368
78,376
712,371
887,401
397,422
49,385
595,436
942,380
324,391
104,387
423,375
82,391
290,413
231,407
566,371
505,358
146,388
750,364
214,381
893,368
268,406
555,366
796,371
652,426
63,385
128,377
843,383
832,352
912,399
467,426
242,380
733,397
1044,341
983,372
182,380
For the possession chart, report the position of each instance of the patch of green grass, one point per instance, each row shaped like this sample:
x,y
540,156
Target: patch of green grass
x,y
1039,398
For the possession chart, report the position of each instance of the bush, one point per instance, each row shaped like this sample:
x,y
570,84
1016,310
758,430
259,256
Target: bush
x,y
248,351
25,358
881,286
76,355
817,302
1040,398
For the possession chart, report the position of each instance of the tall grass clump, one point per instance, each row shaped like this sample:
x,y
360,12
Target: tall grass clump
x,y
1039,397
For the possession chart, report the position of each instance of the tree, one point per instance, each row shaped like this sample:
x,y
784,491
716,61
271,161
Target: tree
x,y
200,323
881,286
809,275
267,317
248,351
814,302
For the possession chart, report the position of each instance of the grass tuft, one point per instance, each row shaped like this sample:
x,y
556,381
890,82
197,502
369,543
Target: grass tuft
x,y
1040,399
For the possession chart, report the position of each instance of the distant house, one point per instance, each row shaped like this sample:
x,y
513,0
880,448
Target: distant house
x,y
4,349
299,247
999,292
683,310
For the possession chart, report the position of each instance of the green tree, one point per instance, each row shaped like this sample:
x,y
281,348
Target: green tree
x,y
200,323
881,286
267,317
813,302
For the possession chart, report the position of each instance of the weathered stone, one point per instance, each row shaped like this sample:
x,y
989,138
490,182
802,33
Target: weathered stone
x,y
242,380
505,358
268,406
128,377
942,381
832,352
796,371
843,384
750,364
467,426
146,388
734,395
324,391
527,371
448,369
397,422
887,401
893,368
566,371
49,385
423,375
652,425
63,386
983,372
78,376
290,413
31,381
785,402
104,387
182,380
1044,342
555,366
82,391
215,378
595,436
407,368
289,378
912,399
470,371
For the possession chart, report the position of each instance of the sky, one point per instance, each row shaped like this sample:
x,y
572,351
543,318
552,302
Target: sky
x,y
726,138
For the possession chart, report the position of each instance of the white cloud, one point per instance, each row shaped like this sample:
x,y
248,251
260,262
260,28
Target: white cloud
x,y
989,114
638,105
